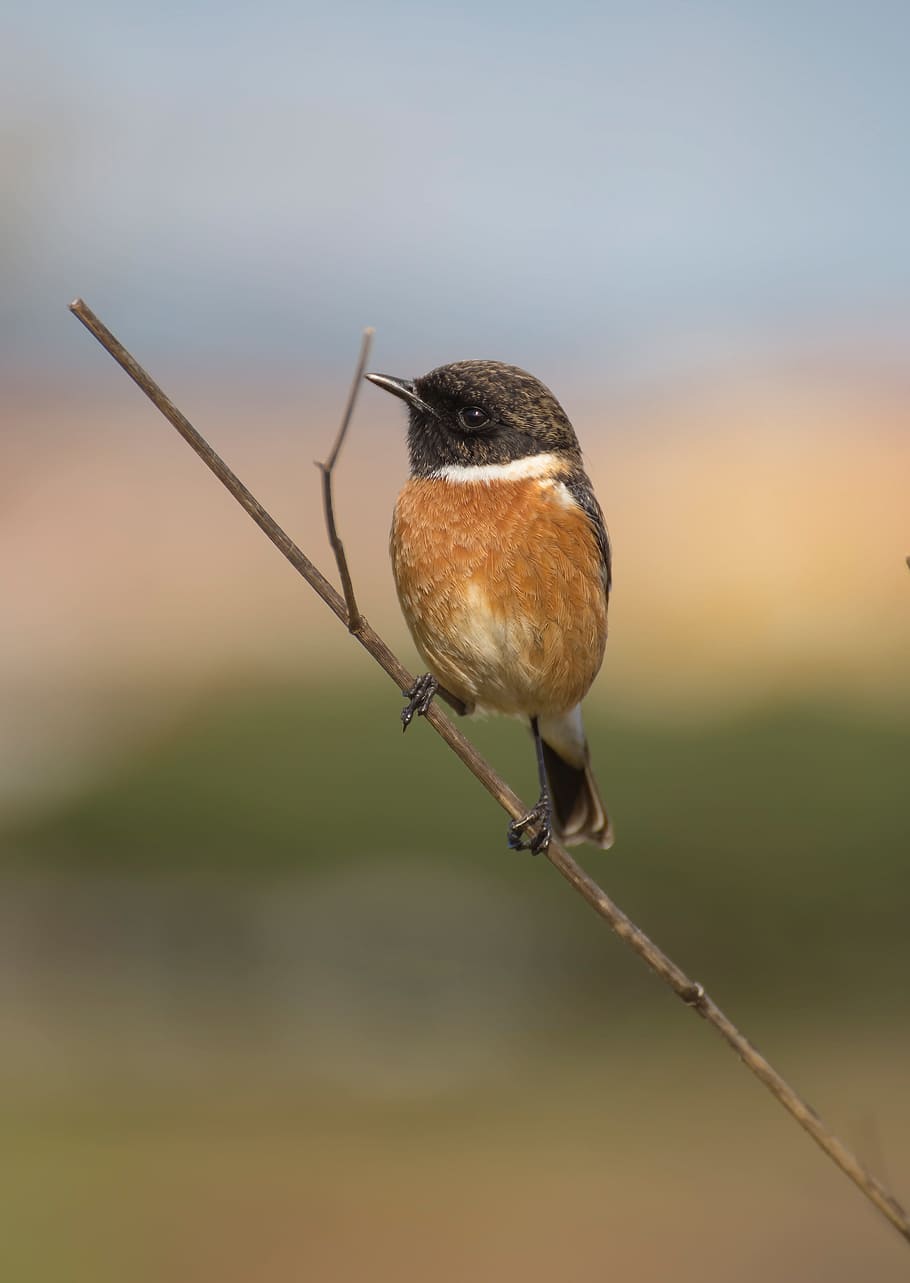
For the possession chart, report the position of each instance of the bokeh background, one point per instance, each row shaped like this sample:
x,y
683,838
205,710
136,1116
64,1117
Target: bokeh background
x,y
276,1003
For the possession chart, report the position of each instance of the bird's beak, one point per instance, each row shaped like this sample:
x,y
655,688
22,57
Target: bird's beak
x,y
402,388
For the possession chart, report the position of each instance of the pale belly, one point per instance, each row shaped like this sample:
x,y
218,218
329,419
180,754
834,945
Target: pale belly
x,y
505,600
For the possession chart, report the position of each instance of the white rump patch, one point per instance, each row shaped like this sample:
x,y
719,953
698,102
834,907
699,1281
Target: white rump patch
x,y
535,465
566,733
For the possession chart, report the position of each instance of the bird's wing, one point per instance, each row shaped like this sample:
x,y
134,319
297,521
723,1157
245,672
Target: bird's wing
x,y
579,487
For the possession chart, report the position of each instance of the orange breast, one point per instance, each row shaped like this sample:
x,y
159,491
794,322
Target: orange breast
x,y
501,585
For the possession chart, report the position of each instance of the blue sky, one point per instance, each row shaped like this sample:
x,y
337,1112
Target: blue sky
x,y
508,180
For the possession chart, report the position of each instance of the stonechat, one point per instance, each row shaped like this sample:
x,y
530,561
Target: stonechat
x,y
502,565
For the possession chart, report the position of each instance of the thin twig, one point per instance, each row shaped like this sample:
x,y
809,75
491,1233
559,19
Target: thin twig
x,y
354,618
688,990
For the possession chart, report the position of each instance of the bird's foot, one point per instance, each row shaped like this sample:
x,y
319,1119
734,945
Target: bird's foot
x,y
420,697
534,830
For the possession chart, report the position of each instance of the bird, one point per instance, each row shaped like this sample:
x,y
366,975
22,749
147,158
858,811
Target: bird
x,y
502,566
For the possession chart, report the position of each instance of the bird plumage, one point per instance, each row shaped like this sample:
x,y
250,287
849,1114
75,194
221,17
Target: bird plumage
x,y
502,564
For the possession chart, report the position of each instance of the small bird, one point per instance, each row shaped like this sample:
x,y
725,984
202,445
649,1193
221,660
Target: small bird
x,y
502,565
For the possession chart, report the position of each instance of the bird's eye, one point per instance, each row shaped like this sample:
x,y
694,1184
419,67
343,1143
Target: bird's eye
x,y
472,417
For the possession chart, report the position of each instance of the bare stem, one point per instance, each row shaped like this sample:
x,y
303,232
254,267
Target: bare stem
x,y
685,988
354,618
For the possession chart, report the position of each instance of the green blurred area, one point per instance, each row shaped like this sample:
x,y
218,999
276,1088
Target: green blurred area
x,y
277,1003
767,850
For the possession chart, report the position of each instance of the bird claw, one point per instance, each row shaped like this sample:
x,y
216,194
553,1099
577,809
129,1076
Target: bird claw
x,y
534,830
420,697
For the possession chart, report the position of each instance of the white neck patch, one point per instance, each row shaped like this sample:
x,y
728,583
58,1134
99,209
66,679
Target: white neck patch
x,y
535,465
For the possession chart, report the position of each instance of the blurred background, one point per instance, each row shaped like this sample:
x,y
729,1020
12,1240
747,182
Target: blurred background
x,y
275,1001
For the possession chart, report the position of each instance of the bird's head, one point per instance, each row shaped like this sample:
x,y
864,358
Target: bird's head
x,y
480,413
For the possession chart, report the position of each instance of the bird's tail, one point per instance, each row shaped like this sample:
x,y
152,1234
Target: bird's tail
x,y
579,813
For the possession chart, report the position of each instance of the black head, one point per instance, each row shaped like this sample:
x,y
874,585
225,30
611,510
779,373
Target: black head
x,y
480,412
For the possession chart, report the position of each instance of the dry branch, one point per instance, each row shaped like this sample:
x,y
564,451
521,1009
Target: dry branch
x,y
688,990
354,618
